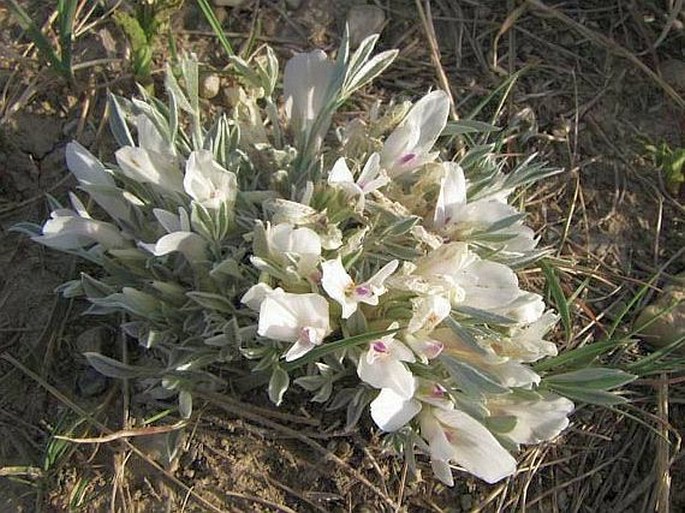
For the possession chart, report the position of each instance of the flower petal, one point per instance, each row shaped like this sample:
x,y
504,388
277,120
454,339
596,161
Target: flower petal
x,y
475,448
390,411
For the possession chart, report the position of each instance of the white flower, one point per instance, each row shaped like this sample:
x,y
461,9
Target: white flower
x,y
140,165
73,229
455,437
536,420
299,318
153,161
469,280
256,294
340,286
526,308
390,411
525,342
179,237
428,312
381,366
370,179
284,241
190,244
459,219
207,182
409,146
306,83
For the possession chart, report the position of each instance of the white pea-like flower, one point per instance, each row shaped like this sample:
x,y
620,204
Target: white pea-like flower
x,y
207,182
410,145
340,286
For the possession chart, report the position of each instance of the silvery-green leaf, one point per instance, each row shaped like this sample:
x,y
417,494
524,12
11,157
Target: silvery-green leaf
x,y
189,69
30,229
212,301
401,226
472,380
246,71
341,399
228,267
359,402
70,289
185,404
465,335
117,122
278,384
268,71
172,85
311,383
590,396
94,288
468,126
362,53
592,378
484,316
501,424
324,393
233,332
370,70
115,369
202,221
505,222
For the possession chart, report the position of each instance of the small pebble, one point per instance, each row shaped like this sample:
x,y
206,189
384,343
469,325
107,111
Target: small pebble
x,y
210,86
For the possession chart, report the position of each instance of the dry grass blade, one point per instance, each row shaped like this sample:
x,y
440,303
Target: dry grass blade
x,y
662,466
610,45
427,21
93,421
125,433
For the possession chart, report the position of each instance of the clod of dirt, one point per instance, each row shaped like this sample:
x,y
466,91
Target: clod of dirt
x,y
18,172
363,21
668,312
36,134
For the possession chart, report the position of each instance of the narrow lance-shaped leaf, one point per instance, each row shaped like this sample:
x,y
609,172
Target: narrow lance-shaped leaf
x,y
278,385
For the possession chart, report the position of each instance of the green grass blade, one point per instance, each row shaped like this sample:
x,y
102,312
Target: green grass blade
x,y
558,296
579,356
67,11
216,25
42,43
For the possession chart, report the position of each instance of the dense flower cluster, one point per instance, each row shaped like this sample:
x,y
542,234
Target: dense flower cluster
x,y
355,260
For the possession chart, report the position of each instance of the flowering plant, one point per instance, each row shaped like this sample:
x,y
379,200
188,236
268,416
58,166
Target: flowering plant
x,y
358,263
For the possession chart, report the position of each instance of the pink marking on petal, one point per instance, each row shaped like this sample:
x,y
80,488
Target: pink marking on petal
x,y
308,334
363,291
433,349
379,347
438,391
405,159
